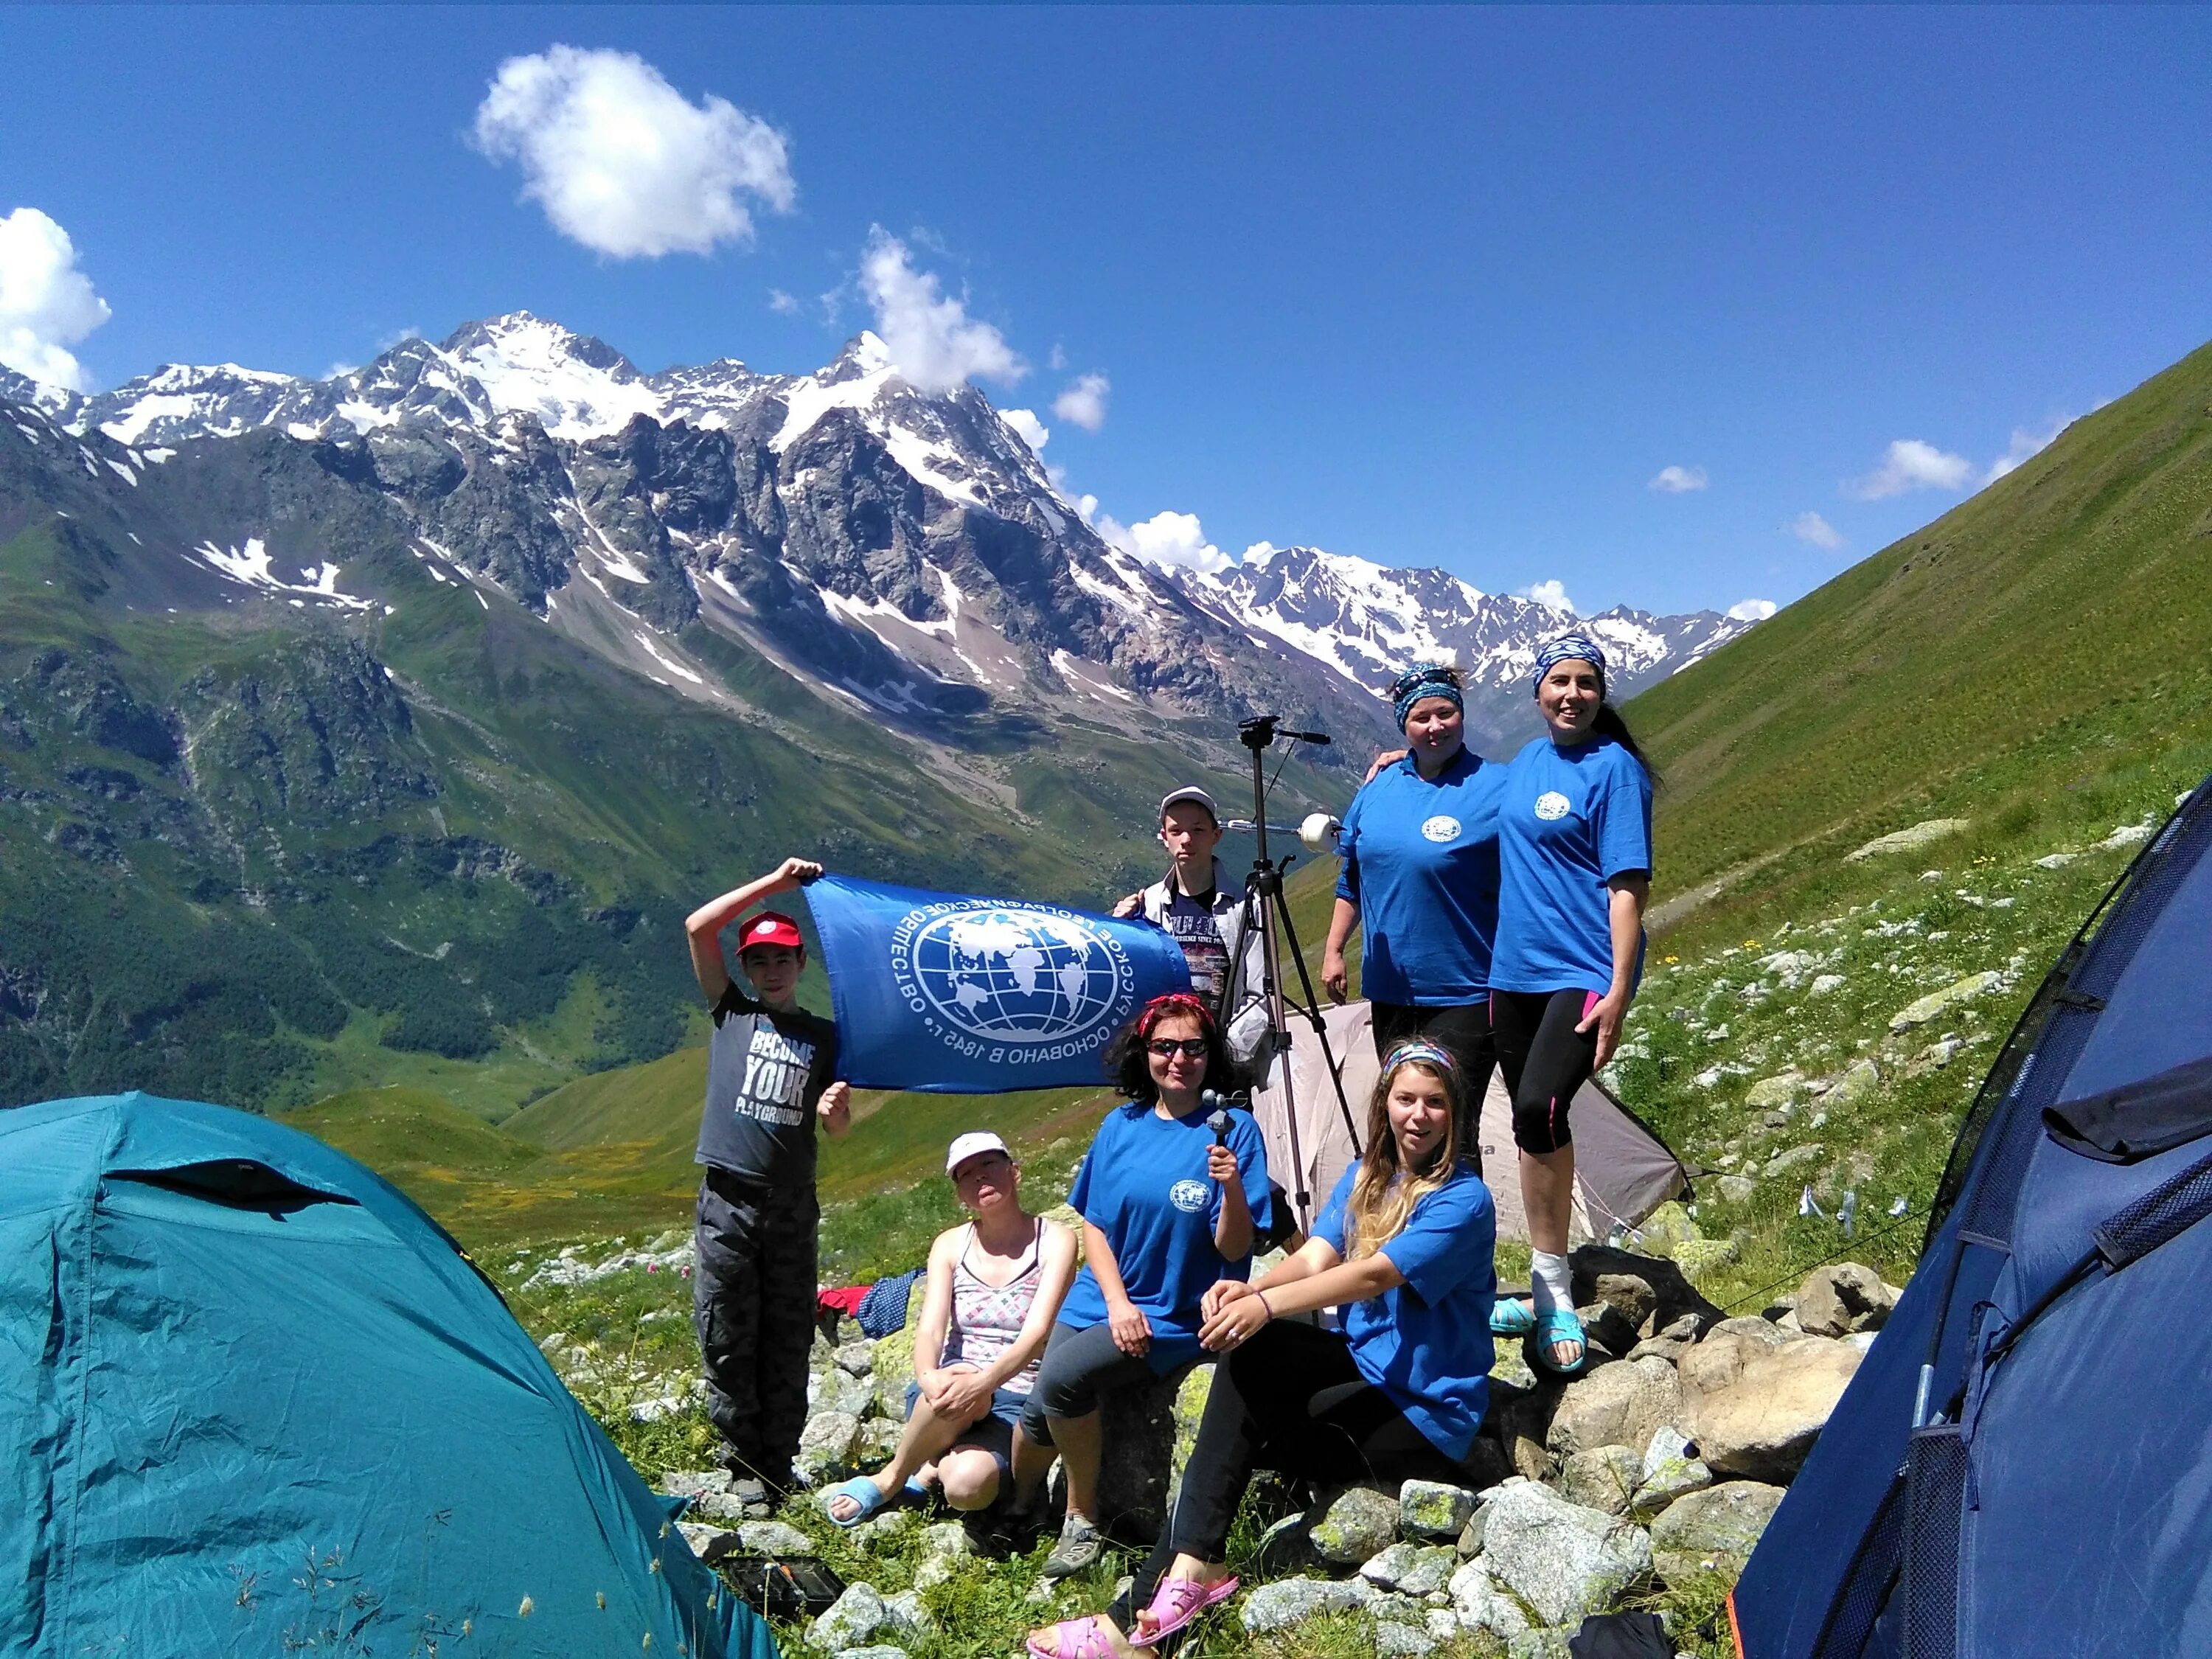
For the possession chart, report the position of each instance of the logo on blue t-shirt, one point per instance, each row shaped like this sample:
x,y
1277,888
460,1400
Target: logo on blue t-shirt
x,y
1550,804
1441,828
1189,1196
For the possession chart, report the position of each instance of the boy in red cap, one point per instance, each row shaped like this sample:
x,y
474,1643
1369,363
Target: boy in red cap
x,y
771,1070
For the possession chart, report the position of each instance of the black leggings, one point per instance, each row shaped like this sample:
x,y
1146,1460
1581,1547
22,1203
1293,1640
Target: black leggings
x,y
1545,1060
1463,1031
1291,1398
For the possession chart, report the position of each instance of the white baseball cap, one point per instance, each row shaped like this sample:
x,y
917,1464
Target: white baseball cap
x,y
1196,796
969,1145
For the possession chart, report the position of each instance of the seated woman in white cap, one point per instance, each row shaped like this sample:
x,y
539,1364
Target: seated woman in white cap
x,y
995,1285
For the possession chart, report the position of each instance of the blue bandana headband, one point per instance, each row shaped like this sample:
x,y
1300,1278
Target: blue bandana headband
x,y
1569,648
1422,1049
1425,680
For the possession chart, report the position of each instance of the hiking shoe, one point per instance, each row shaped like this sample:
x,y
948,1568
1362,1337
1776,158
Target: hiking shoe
x,y
1079,1548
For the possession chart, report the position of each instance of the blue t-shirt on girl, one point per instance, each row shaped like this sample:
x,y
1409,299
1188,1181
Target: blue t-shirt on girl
x,y
1426,1343
1568,821
1143,1185
1421,860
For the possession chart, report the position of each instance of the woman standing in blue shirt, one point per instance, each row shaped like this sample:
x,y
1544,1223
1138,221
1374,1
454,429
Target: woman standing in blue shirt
x,y
1420,880
1168,1210
1404,1249
1575,872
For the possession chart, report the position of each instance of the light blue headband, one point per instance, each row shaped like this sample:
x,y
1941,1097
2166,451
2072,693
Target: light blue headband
x,y
1569,648
1425,680
1422,1049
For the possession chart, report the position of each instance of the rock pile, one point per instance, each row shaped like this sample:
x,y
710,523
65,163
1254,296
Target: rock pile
x,y
1663,1461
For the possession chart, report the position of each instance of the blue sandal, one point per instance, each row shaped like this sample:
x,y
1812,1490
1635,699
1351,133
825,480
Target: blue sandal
x,y
1511,1317
1557,1325
865,1494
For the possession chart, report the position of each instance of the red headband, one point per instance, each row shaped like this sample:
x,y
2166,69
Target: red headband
x,y
1175,1002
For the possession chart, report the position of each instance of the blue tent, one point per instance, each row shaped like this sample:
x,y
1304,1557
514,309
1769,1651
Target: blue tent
x,y
2023,1464
253,1399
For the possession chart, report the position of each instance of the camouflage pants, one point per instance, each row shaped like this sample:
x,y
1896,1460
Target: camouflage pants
x,y
752,1300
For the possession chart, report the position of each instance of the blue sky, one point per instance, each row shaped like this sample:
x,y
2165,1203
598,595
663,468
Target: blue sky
x,y
1430,287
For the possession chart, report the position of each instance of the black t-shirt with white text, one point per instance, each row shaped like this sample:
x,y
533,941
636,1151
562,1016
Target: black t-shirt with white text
x,y
1191,922
766,1069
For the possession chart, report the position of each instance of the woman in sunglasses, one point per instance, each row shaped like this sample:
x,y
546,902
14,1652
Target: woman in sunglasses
x,y
1168,1210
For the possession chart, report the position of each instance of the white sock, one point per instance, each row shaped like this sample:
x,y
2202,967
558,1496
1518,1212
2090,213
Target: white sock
x,y
1549,1282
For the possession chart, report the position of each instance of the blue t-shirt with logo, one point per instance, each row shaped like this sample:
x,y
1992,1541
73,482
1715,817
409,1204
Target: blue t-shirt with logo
x,y
1568,821
1143,1185
1426,1343
1421,860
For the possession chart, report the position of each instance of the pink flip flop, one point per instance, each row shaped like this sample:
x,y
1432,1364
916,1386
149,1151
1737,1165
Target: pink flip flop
x,y
1076,1638
1175,1602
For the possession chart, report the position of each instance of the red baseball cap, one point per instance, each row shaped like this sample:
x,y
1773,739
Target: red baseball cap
x,y
769,927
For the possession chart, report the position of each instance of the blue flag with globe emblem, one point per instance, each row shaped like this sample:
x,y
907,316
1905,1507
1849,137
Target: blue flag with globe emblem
x,y
948,994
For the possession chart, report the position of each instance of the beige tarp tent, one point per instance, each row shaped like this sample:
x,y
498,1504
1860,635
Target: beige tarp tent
x,y
1622,1171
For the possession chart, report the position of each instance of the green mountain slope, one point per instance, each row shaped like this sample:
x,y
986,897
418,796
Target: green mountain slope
x,y
259,853
2047,638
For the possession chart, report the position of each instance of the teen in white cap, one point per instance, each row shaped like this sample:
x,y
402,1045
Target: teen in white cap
x,y
995,1287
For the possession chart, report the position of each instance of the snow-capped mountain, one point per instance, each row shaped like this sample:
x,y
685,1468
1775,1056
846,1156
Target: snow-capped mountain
x,y
1369,623
902,551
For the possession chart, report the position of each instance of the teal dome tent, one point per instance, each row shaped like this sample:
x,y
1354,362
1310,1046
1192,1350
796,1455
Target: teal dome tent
x,y
253,1399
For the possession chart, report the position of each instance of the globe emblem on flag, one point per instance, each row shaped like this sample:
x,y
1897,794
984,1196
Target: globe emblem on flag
x,y
1007,973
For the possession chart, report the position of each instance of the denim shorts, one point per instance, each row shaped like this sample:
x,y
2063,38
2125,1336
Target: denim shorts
x,y
994,1432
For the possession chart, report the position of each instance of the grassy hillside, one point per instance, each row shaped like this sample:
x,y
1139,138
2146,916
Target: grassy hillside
x,y
2044,641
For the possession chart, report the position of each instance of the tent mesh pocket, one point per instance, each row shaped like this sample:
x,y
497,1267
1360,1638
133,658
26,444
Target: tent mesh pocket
x,y
1936,1482
2165,1213
1866,1585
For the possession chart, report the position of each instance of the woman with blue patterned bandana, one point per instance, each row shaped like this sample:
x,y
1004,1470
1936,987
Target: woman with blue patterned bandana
x,y
1574,842
1419,882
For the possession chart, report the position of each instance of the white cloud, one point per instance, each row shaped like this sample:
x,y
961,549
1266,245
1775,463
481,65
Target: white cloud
x,y
624,163
933,341
1812,527
1679,480
1034,433
2025,444
1169,540
46,304
1752,609
1057,360
784,305
1909,464
1083,401
1552,595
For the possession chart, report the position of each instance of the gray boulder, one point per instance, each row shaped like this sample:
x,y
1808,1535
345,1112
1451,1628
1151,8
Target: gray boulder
x,y
904,1615
1712,1531
1602,1477
856,1358
879,1438
1413,1569
1396,1641
1840,1300
1760,1424
775,1538
1649,1291
825,1446
1670,1470
851,1620
948,1539
839,1391
1615,1406
1565,1560
1138,1424
1290,1601
710,1544
1670,1343
1482,1607
1358,1526
1429,1508
694,1483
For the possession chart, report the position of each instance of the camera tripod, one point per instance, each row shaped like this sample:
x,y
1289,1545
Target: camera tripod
x,y
1264,909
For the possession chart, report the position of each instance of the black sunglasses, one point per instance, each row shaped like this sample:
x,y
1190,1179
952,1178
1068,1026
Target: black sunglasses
x,y
1165,1048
